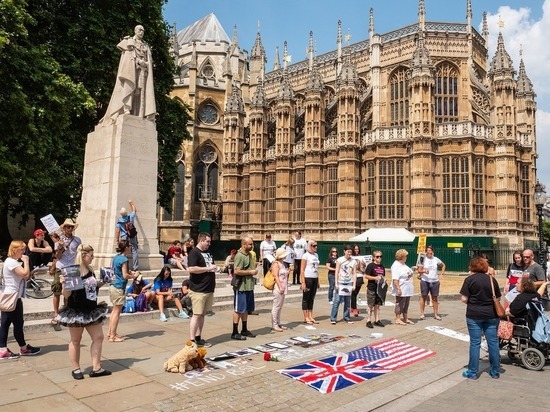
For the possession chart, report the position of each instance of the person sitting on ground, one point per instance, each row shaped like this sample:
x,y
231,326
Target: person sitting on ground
x,y
174,255
185,298
527,293
139,286
39,251
163,293
229,264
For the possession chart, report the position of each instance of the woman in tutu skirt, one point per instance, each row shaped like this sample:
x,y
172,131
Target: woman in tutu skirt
x,y
83,312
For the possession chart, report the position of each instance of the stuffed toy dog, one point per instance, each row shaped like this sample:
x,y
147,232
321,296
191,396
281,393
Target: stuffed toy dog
x,y
180,361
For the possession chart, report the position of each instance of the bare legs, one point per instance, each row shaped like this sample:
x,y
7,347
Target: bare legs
x,y
113,322
96,333
195,326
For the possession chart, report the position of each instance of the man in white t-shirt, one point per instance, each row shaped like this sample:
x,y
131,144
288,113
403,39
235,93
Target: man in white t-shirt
x,y
267,252
345,279
300,245
429,281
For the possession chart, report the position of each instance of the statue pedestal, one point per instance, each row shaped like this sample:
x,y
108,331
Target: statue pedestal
x,y
121,163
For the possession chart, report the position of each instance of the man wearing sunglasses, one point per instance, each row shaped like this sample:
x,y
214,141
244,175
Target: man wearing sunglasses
x,y
532,268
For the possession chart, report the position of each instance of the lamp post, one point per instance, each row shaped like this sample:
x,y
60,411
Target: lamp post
x,y
540,199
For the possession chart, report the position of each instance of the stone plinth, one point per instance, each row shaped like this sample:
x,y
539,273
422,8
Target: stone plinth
x,y
121,163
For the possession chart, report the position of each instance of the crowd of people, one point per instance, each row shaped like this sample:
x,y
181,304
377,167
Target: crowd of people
x,y
296,262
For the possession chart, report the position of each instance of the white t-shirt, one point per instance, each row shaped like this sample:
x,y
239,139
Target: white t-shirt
x,y
430,268
268,248
345,276
300,247
312,265
404,274
12,282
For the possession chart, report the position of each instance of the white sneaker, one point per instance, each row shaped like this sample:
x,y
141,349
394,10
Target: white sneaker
x,y
330,302
163,317
183,315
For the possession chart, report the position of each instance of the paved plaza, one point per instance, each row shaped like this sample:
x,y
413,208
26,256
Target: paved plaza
x,y
138,382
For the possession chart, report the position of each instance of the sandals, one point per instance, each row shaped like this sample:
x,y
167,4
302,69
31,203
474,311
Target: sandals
x,y
277,329
437,317
422,317
399,322
410,322
115,339
54,322
283,327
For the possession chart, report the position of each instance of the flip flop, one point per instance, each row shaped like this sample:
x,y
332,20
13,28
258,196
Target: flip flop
x,y
116,339
437,317
422,317
410,322
400,323
315,321
54,321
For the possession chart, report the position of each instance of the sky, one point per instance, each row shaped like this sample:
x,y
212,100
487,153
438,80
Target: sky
x,y
526,28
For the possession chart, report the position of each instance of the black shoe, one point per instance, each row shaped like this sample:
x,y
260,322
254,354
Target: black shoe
x,y
378,323
101,372
254,312
77,375
237,336
248,333
203,344
370,325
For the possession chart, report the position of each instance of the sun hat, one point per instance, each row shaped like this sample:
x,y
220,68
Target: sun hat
x,y
69,222
281,253
38,232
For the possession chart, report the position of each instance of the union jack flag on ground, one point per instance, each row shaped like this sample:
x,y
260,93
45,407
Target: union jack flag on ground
x,y
391,354
333,373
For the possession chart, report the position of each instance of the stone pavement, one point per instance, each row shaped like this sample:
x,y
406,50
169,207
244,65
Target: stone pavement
x,y
138,382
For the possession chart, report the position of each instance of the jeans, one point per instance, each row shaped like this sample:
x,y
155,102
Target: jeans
x,y
336,304
135,256
488,327
330,287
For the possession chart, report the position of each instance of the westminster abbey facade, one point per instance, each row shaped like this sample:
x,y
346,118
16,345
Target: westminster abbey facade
x,y
416,128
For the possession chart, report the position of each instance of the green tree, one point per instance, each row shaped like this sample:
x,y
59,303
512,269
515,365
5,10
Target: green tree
x,y
546,231
80,38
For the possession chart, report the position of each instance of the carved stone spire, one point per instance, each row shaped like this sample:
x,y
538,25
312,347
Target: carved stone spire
x,y
485,28
525,87
285,91
174,45
235,102
348,75
258,48
276,61
501,65
469,11
371,23
339,46
315,81
421,69
259,99
421,15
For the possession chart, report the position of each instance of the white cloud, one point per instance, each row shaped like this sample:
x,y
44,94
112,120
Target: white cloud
x,y
522,32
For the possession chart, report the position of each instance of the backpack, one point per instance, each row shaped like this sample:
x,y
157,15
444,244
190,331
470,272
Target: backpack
x,y
141,303
541,334
129,305
130,228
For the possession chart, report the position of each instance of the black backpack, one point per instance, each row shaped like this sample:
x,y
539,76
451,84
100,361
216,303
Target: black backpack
x,y
130,229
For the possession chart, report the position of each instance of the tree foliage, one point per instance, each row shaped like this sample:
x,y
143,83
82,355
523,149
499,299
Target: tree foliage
x,y
58,62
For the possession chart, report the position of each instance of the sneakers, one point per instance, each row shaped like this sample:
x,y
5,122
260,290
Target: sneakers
x,y
163,317
8,355
469,374
150,307
370,325
333,322
379,323
494,375
201,343
248,334
330,302
30,351
183,315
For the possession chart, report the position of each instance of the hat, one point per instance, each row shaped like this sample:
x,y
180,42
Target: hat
x,y
69,222
123,211
281,253
38,232
233,251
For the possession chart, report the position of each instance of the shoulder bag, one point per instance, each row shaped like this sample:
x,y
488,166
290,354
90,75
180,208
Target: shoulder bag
x,y
496,301
505,329
8,301
269,280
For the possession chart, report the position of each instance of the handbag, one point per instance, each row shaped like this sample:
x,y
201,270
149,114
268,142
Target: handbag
x,y
496,301
269,280
8,301
236,281
505,329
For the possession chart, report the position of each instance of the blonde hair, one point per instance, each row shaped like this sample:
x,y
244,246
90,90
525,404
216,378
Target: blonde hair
x,y
400,254
83,249
16,244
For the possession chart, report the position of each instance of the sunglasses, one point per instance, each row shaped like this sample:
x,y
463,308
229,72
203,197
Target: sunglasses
x,y
315,245
527,257
378,256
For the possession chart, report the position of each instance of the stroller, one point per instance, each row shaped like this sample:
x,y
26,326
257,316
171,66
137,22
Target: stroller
x,y
530,341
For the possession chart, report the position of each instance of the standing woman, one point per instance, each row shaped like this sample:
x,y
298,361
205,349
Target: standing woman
x,y
280,273
402,287
15,275
117,289
83,312
331,266
309,280
289,247
514,272
481,318
360,270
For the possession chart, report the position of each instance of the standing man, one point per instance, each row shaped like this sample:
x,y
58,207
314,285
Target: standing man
x,y
245,268
429,281
535,271
267,252
65,253
375,274
300,246
125,229
202,282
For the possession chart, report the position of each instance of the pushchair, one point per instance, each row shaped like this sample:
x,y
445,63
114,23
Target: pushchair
x,y
530,341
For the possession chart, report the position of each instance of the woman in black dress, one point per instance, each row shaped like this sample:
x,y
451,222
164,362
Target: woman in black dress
x,y
83,312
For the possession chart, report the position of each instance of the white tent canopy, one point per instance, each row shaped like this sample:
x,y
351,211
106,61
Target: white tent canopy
x,y
385,234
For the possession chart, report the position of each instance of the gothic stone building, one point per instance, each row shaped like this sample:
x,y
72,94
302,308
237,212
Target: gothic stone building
x,y
414,128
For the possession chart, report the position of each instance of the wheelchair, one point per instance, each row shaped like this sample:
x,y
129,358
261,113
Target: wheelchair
x,y
522,347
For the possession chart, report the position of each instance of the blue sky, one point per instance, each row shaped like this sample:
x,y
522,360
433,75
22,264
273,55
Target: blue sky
x,y
526,26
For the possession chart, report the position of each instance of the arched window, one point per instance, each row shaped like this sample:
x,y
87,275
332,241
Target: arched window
x,y
446,93
179,198
206,174
399,97
456,188
391,189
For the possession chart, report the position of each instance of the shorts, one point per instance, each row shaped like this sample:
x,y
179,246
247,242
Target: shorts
x,y
173,261
429,287
57,287
243,301
373,299
118,297
201,302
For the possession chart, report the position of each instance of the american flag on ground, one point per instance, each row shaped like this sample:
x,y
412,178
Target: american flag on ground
x,y
333,373
391,354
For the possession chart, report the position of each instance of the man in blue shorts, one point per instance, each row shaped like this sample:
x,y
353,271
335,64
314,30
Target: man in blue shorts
x,y
243,301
